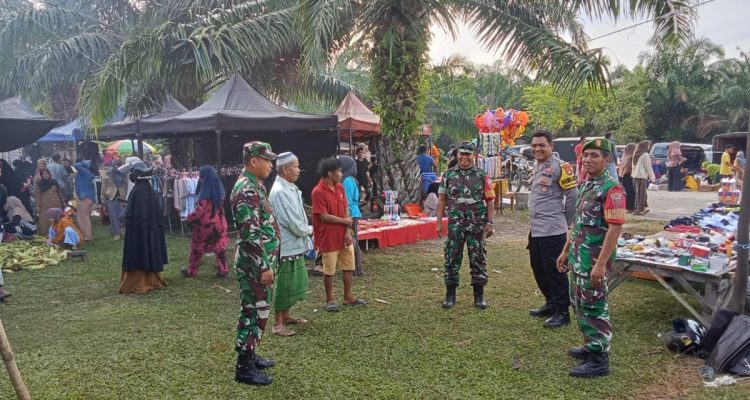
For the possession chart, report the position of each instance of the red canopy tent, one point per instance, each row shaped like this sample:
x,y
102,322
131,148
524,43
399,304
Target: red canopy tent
x,y
356,121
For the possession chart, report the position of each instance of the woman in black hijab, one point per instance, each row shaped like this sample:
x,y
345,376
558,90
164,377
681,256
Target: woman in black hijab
x,y
9,179
144,253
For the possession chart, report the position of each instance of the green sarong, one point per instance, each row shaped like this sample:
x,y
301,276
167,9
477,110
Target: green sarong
x,y
290,283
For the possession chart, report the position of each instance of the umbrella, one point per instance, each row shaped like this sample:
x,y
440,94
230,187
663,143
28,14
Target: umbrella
x,y
126,147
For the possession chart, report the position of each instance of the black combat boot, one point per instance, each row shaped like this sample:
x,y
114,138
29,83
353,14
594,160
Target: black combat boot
x,y
3,295
544,311
581,353
560,319
262,363
246,372
450,296
479,297
597,364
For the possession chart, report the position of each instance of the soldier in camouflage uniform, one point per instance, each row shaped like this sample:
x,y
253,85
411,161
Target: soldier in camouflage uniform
x,y
256,259
466,192
590,252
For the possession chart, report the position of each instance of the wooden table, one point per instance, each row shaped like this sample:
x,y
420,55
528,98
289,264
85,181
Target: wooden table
x,y
715,295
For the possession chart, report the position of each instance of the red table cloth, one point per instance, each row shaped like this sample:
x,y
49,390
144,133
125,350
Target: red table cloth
x,y
389,234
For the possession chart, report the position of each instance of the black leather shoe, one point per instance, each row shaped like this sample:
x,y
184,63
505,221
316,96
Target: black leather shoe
x,y
597,364
246,372
558,320
544,311
3,295
262,363
581,353
450,297
479,297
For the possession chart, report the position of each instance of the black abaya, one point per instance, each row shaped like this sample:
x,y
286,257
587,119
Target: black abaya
x,y
145,247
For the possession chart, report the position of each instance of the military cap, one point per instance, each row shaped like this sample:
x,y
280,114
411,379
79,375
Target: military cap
x,y
598,144
466,147
259,149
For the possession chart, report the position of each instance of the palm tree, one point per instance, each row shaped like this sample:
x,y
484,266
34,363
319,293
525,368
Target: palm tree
x,y
49,48
684,96
396,36
735,96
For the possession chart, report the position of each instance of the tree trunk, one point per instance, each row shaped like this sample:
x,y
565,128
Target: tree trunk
x,y
182,153
401,171
398,83
739,287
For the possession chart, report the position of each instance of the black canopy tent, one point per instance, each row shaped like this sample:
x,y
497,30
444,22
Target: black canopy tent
x,y
20,125
236,114
130,127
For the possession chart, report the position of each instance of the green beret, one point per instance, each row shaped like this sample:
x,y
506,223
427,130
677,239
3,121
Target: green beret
x,y
598,144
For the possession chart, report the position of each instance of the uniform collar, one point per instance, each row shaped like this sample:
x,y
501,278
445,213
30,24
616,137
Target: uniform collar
x,y
250,176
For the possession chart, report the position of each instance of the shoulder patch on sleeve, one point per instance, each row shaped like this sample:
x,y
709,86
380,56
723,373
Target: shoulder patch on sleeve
x,y
567,176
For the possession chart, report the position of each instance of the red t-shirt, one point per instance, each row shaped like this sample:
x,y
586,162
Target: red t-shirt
x,y
328,237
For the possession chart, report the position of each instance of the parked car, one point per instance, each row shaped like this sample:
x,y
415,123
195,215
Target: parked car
x,y
565,147
695,153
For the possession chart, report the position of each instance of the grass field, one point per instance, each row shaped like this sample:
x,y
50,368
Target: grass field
x,y
75,338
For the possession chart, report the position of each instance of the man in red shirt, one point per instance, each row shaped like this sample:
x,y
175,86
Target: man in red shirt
x,y
332,231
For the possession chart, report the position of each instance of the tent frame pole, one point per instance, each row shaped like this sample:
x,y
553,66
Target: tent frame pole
x,y
351,144
218,149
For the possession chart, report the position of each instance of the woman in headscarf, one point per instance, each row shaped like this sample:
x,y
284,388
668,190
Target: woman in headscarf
x,y
9,179
24,172
63,231
209,224
114,188
431,201
643,172
674,167
47,194
86,193
20,222
626,176
40,165
739,168
144,252
351,189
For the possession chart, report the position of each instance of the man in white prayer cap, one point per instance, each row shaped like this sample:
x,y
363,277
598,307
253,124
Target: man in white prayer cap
x,y
289,210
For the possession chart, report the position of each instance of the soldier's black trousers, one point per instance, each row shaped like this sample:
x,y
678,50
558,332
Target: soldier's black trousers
x,y
543,252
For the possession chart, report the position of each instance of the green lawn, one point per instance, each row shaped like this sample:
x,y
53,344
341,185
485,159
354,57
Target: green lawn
x,y
76,338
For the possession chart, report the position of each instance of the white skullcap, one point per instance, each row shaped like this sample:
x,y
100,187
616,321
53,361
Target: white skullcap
x,y
285,158
125,168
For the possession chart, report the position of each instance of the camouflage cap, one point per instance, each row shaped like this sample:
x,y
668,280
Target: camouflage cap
x,y
598,144
466,147
259,149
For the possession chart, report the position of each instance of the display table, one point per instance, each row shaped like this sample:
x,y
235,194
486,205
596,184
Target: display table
x,y
406,231
718,284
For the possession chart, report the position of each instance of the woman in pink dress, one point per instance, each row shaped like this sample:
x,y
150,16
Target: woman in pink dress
x,y
209,225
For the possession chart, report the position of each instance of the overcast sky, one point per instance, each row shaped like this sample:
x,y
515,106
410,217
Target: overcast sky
x,y
725,22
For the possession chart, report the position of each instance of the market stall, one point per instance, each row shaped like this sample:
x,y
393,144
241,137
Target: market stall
x,y
236,114
691,250
396,233
20,125
357,123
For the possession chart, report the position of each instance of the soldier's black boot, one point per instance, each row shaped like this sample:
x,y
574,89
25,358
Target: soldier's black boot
x,y
560,319
262,363
246,372
479,297
450,296
581,353
544,311
597,364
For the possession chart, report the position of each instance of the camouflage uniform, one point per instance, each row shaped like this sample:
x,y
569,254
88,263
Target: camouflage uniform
x,y
466,192
601,202
257,251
